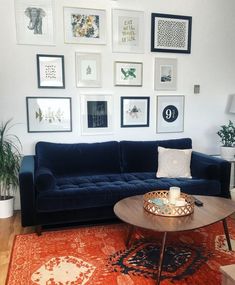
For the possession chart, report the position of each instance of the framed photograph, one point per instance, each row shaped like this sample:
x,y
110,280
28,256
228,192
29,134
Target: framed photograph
x,y
170,114
128,73
128,31
165,74
49,114
88,69
171,33
50,69
96,114
35,22
134,112
84,26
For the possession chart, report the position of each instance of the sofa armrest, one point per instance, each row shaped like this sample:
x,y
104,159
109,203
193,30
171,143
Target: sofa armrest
x,y
27,190
209,167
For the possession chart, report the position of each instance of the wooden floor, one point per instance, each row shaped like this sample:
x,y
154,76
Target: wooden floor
x,y
8,229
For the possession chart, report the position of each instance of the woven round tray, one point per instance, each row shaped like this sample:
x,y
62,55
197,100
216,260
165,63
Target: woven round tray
x,y
167,209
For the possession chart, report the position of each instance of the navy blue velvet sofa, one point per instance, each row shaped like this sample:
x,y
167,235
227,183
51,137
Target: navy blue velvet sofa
x,y
66,183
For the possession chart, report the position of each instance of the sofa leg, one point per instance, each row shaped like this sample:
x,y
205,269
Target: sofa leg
x,y
38,230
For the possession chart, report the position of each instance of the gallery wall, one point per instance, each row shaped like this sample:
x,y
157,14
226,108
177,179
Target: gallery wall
x,y
210,64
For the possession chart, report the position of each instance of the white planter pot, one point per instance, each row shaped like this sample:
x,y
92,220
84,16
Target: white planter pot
x,y
227,152
6,208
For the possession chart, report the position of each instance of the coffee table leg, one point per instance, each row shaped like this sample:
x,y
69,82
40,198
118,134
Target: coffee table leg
x,y
227,234
131,230
161,259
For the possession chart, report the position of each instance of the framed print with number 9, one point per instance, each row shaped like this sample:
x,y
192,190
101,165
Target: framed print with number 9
x,y
170,114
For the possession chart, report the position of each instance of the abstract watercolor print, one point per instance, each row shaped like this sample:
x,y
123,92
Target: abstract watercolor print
x,y
85,26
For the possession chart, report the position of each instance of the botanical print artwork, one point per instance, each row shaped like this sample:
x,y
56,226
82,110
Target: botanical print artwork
x,y
85,26
35,16
88,70
166,73
49,115
128,73
97,114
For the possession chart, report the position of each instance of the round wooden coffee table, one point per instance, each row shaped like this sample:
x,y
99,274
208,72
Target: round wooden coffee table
x,y
214,209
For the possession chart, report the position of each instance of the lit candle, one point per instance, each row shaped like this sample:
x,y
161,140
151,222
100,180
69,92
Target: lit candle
x,y
174,194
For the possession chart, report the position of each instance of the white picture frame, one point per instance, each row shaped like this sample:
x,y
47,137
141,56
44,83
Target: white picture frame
x,y
170,114
96,114
84,26
35,22
88,69
165,74
128,73
128,31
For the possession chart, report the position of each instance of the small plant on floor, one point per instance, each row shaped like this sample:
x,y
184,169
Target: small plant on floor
x,y
10,157
227,134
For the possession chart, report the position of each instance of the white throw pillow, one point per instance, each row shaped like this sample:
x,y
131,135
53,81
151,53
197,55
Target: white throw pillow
x,y
174,163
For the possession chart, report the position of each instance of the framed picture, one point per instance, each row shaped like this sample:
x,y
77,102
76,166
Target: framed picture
x,y
170,114
34,22
128,73
128,31
50,69
49,114
88,69
134,112
96,114
165,74
171,33
84,26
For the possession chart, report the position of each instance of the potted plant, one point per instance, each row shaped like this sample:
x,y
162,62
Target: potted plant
x,y
227,135
9,168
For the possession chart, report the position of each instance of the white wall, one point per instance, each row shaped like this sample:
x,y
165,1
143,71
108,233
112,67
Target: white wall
x,y
210,64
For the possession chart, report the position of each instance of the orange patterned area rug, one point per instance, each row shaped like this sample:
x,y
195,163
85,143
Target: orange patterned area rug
x,y
97,256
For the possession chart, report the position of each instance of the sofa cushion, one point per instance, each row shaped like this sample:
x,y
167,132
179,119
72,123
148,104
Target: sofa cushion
x,y
105,190
174,162
138,156
81,158
44,179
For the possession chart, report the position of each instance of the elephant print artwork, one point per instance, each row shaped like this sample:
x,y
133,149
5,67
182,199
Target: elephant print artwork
x,y
35,19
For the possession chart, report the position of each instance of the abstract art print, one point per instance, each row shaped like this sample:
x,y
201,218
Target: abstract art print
x,y
49,114
50,71
165,74
171,33
128,73
34,22
88,69
128,31
84,26
170,114
134,112
96,114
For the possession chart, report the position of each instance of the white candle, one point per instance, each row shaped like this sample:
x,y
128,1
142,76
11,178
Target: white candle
x,y
174,194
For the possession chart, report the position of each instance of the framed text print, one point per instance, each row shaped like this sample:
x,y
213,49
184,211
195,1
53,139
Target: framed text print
x,y
134,112
128,31
84,26
50,70
96,114
35,22
88,69
171,33
49,114
170,114
165,74
128,73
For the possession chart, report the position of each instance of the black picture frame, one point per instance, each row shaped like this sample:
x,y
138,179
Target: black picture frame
x,y
49,114
166,39
50,71
130,107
